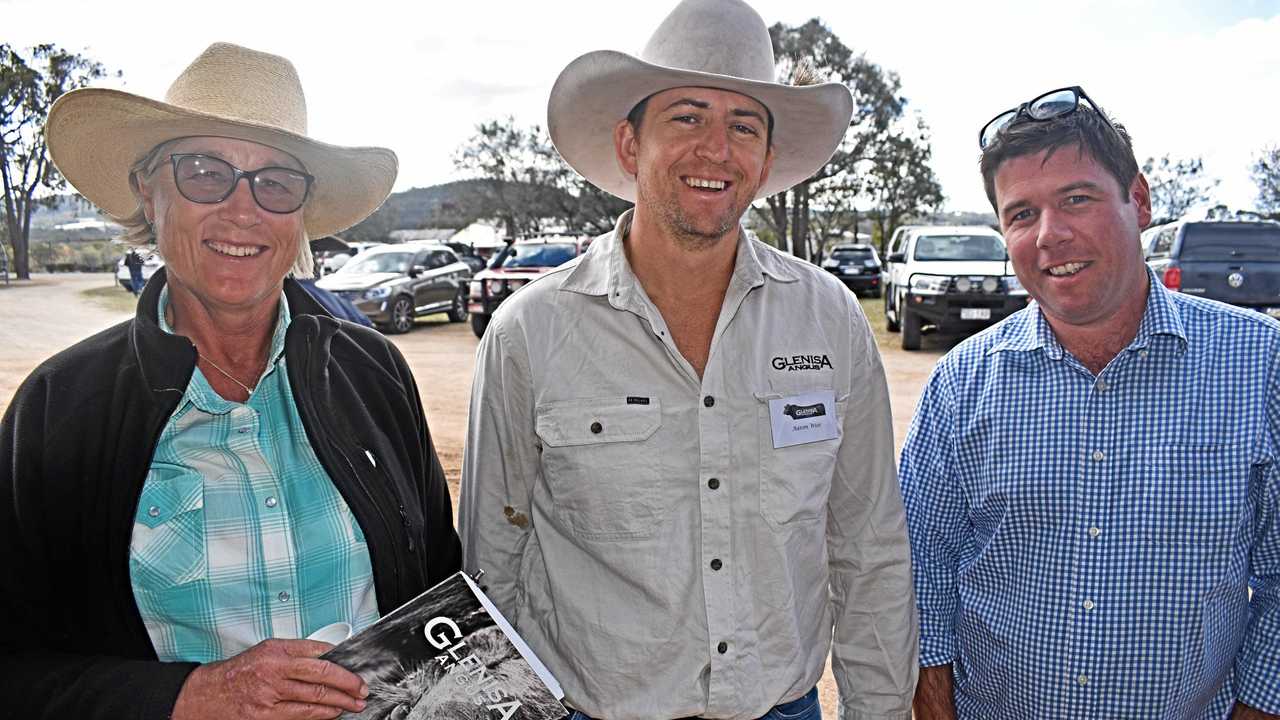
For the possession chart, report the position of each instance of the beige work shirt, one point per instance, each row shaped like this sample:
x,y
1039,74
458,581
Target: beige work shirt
x,y
637,524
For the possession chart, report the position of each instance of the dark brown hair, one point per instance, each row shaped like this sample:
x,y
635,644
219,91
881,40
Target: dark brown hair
x,y
1085,130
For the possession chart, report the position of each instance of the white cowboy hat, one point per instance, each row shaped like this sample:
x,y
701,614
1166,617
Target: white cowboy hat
x,y
96,135
720,44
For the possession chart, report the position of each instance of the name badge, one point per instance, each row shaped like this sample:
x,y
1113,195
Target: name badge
x,y
806,418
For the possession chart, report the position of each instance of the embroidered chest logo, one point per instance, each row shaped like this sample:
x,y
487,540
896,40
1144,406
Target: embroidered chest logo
x,y
802,362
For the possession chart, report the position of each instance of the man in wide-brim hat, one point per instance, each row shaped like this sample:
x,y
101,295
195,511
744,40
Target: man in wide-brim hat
x,y
187,494
679,475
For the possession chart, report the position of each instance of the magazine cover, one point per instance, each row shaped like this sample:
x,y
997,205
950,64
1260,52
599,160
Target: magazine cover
x,y
447,654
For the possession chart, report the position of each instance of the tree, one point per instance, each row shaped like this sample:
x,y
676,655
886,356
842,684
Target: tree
x,y
826,204
28,87
1265,173
900,182
527,182
1176,187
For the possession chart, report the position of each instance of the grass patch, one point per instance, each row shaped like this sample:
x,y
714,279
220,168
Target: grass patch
x,y
112,297
873,308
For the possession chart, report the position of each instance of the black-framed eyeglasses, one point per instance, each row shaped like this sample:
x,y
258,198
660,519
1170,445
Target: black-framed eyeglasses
x,y
210,180
1053,104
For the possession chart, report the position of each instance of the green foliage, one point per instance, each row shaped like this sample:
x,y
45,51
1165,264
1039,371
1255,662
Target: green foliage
x,y
29,84
78,256
1176,186
524,183
881,159
1265,173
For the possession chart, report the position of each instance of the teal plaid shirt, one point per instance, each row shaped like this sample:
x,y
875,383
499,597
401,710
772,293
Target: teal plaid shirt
x,y
240,534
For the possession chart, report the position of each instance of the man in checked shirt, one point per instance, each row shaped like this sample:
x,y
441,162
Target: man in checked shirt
x,y
1091,485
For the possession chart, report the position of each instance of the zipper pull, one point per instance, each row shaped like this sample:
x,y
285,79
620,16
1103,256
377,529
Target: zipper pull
x,y
408,529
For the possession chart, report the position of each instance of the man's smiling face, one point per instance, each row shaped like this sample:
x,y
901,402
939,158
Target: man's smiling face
x,y
1072,232
699,157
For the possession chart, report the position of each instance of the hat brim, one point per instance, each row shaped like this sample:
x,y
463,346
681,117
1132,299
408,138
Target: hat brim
x,y
598,89
95,135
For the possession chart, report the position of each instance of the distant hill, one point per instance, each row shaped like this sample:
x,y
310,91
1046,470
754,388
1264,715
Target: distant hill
x,y
450,205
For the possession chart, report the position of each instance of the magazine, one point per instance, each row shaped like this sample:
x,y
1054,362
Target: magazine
x,y
449,654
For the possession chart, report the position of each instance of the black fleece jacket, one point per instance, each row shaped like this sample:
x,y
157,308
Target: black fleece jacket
x,y
75,447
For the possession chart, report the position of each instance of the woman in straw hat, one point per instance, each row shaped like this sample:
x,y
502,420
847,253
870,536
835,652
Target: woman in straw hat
x,y
231,465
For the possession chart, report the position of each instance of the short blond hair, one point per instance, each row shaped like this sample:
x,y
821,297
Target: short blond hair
x,y
138,231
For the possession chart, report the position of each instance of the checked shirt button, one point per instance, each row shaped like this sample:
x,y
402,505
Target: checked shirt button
x,y
1098,455
1082,679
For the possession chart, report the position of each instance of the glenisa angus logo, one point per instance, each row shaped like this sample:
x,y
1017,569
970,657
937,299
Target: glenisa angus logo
x,y
802,362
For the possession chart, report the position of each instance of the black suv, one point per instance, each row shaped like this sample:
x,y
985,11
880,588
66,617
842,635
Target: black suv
x,y
857,266
1234,262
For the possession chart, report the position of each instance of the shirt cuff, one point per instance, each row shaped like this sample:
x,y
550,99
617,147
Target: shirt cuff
x,y
937,650
851,714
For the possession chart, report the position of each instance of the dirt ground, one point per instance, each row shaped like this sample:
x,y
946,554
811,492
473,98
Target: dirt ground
x,y
51,312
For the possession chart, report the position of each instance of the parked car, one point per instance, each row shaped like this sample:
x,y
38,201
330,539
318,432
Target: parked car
x,y
151,263
1235,262
510,269
952,278
395,284
857,266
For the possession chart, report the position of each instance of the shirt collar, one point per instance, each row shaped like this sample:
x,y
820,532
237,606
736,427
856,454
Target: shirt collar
x,y
605,269
1029,330
199,392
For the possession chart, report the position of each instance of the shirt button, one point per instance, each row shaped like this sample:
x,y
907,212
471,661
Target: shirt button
x,y
283,596
1101,385
1097,455
243,430
1142,353
1094,532
1088,604
1082,679
153,511
716,564
596,428
714,483
709,401
270,502
722,648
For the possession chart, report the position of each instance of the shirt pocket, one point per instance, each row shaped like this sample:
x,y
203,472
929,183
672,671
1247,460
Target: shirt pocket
x,y
601,466
1197,496
168,544
795,481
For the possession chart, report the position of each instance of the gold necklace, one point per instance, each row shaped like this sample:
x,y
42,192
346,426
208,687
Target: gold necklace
x,y
247,390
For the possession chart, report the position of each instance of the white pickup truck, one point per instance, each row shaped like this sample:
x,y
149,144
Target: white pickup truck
x,y
954,279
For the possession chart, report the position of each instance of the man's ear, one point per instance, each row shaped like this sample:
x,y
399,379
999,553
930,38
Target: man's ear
x,y
768,166
625,147
1140,196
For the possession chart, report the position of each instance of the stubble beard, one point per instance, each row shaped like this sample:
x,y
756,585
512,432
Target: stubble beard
x,y
685,230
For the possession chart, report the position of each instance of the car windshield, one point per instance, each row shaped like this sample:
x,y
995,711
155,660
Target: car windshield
x,y
1224,242
539,255
852,256
959,247
393,262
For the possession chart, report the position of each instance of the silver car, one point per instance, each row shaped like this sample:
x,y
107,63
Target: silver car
x,y
394,284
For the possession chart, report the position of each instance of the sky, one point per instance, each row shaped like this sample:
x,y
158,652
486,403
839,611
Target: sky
x,y
1187,78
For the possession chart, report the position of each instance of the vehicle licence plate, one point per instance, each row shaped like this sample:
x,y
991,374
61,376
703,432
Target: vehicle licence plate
x,y
850,269
975,313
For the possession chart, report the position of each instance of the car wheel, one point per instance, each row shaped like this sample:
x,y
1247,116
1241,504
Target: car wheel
x,y
401,315
458,311
890,324
910,330
479,323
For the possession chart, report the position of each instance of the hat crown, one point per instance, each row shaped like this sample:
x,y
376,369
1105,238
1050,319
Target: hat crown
x,y
724,37
237,83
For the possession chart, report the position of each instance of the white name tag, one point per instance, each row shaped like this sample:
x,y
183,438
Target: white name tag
x,y
801,419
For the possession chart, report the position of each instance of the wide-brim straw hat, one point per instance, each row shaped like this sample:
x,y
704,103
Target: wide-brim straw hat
x,y
96,135
720,44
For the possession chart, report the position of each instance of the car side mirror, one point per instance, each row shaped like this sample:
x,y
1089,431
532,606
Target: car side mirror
x,y
416,270
897,257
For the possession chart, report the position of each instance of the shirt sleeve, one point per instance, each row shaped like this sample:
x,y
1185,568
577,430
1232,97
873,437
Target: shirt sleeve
x,y
499,468
1257,679
875,644
936,518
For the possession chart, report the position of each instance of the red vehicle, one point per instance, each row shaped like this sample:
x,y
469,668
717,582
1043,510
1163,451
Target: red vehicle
x,y
517,264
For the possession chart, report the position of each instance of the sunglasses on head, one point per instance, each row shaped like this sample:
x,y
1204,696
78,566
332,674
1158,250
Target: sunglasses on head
x,y
210,180
1053,104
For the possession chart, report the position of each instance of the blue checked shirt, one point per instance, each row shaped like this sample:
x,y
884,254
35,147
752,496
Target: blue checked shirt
x,y
1083,546
240,535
